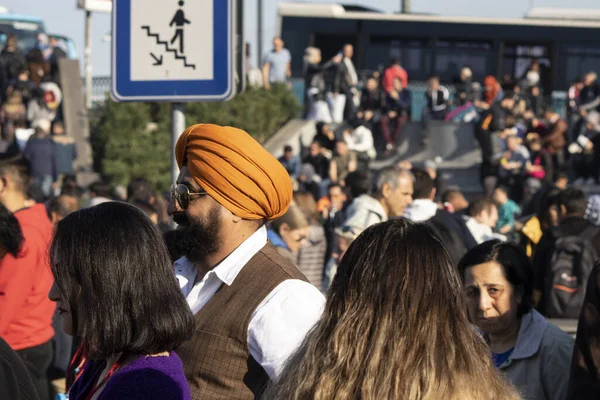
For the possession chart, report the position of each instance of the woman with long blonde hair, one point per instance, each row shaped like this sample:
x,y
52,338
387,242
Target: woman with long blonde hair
x,y
394,327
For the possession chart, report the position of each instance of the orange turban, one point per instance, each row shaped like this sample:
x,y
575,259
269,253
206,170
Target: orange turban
x,y
235,170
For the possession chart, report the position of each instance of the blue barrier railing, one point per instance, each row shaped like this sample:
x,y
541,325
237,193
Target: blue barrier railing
x,y
418,89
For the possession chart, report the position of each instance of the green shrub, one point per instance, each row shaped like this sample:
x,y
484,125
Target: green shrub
x,y
134,139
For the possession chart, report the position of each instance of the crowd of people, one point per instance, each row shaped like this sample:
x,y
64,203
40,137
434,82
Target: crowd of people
x,y
269,289
523,140
31,117
311,277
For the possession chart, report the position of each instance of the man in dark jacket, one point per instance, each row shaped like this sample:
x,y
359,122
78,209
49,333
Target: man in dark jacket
x,y
319,162
40,152
437,97
12,63
588,101
467,91
555,139
57,54
15,382
573,204
23,85
589,97
334,216
372,103
450,228
397,112
346,81
65,151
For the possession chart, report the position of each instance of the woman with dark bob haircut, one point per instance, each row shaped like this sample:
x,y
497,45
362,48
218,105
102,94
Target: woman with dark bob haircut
x,y
115,289
533,354
11,237
394,327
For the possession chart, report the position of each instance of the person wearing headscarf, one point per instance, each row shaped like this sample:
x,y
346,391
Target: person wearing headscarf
x,y
492,90
252,307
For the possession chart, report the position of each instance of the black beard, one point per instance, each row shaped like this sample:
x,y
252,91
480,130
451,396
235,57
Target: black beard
x,y
200,238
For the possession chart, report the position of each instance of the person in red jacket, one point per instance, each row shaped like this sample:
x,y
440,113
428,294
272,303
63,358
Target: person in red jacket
x,y
395,71
25,280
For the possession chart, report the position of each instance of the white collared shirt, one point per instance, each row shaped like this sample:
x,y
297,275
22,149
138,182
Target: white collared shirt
x,y
279,324
351,70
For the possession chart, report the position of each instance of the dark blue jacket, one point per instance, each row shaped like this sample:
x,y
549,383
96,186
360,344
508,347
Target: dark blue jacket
x,y
400,105
65,152
41,155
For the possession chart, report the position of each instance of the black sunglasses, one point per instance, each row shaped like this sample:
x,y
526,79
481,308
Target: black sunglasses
x,y
183,195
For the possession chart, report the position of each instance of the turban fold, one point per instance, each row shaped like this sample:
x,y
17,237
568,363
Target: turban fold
x,y
235,170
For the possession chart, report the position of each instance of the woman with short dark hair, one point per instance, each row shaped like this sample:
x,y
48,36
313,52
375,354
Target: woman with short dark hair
x,y
115,289
534,354
11,236
394,327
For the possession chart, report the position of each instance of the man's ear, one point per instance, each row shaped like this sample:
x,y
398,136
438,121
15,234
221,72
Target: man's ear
x,y
386,190
284,228
54,218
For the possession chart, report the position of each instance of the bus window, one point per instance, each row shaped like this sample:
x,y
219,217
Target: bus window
x,y
26,32
518,59
414,55
452,56
332,44
581,60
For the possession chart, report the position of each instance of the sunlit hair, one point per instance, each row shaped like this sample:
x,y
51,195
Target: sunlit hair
x,y
310,54
307,204
394,327
293,218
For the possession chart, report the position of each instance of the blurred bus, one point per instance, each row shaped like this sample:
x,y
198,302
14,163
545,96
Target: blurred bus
x,y
566,45
27,29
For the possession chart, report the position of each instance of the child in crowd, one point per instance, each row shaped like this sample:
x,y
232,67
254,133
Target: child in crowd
x,y
507,210
344,237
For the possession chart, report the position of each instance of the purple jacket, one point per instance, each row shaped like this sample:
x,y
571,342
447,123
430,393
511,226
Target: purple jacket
x,y
144,378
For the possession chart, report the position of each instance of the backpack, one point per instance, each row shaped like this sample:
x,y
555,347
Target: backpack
x,y
572,260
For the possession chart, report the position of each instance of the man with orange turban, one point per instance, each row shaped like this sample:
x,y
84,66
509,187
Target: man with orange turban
x,y
252,307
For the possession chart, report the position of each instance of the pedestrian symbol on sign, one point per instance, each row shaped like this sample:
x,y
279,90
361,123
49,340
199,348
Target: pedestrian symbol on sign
x,y
180,21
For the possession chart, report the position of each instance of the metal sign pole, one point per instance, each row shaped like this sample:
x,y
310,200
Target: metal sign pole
x,y
177,128
88,59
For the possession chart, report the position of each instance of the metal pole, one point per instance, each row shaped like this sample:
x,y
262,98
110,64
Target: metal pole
x,y
259,47
406,6
177,128
88,59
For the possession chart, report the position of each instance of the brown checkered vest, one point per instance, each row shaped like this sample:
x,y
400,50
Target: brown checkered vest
x,y
217,361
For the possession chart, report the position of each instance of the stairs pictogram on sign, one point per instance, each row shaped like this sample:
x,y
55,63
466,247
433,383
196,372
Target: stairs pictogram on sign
x,y
169,49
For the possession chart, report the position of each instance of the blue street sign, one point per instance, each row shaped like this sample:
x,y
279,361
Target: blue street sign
x,y
173,50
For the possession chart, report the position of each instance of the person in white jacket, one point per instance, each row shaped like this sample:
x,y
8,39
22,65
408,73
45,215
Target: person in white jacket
x,y
360,140
394,194
423,208
483,216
